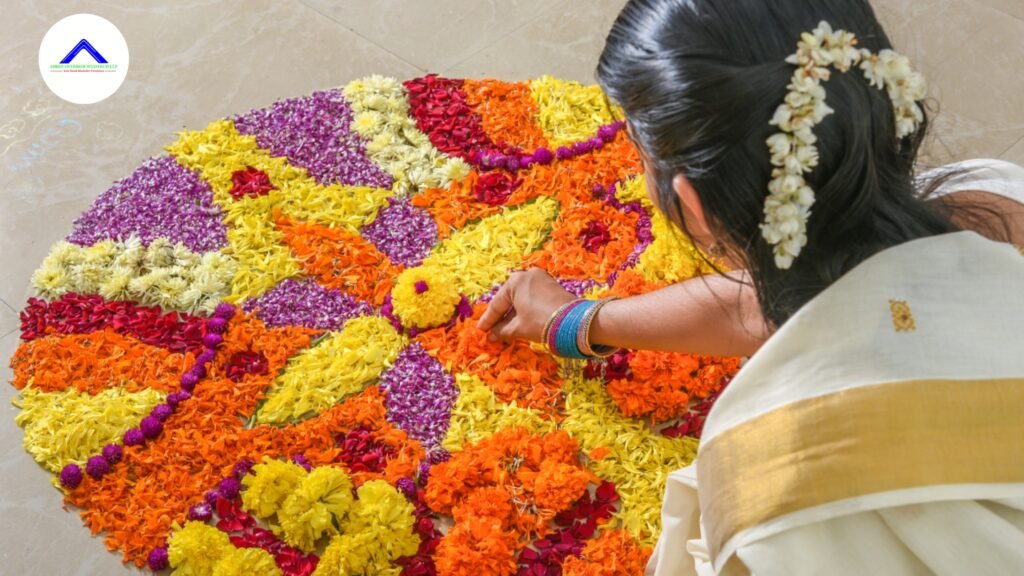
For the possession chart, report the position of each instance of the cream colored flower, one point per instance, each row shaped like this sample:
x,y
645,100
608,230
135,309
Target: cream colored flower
x,y
792,150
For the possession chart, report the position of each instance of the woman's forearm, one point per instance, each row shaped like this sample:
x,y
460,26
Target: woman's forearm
x,y
715,315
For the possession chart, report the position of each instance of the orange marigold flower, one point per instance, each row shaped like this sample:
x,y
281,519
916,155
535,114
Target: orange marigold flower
x,y
477,547
613,553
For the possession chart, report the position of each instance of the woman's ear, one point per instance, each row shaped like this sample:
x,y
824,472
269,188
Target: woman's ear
x,y
693,210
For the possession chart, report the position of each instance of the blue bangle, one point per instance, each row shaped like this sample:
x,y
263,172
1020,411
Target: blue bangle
x,y
566,343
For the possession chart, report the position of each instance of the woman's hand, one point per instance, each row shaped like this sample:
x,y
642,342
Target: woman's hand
x,y
523,306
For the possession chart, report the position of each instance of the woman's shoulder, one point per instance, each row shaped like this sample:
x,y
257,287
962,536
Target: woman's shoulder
x,y
988,175
985,196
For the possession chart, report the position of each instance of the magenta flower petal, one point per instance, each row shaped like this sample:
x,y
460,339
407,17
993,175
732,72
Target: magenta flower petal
x,y
157,559
97,466
71,476
113,453
151,427
134,437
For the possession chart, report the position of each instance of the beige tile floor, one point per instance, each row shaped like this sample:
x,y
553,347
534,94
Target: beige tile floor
x,y
196,60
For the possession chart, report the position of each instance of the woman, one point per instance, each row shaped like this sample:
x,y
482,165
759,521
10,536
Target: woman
x,y
876,428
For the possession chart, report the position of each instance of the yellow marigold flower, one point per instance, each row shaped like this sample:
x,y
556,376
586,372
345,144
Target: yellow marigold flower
x,y
377,531
425,297
269,485
340,366
671,257
634,190
569,111
482,254
316,506
246,562
196,548
638,459
478,414
70,426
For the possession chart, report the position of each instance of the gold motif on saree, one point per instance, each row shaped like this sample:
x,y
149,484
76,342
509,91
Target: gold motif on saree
x,y
902,318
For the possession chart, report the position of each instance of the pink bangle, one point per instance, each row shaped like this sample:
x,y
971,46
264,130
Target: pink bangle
x,y
551,328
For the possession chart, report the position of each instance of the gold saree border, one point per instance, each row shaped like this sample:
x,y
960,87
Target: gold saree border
x,y
856,442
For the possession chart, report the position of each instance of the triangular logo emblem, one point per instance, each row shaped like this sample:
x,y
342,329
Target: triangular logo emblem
x,y
84,45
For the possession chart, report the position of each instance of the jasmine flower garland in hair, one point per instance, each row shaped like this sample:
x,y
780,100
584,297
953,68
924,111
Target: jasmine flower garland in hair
x,y
793,150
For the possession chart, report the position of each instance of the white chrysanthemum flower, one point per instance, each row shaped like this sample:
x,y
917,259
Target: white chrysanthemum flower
x,y
419,177
414,136
160,253
381,84
376,102
51,281
115,287
377,144
367,124
397,105
64,254
456,170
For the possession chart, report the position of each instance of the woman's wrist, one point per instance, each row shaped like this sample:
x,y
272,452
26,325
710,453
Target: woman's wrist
x,y
603,327
567,331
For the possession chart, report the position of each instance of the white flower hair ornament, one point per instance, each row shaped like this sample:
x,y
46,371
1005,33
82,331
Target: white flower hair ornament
x,y
793,149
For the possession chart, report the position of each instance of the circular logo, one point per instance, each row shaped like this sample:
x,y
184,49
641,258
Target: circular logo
x,y
83,58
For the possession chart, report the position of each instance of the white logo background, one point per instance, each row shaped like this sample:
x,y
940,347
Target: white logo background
x,y
83,87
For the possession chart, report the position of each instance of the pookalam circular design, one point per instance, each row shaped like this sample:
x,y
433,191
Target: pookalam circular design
x,y
258,353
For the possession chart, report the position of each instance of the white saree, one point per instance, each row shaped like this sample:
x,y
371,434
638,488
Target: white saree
x,y
879,431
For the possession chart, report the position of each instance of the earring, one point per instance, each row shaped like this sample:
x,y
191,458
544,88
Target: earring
x,y
716,251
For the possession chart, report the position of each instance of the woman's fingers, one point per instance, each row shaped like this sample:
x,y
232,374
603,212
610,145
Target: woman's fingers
x,y
505,330
498,308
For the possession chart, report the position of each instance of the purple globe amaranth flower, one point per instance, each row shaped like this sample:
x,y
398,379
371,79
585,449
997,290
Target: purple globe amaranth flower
x,y
302,461
212,496
607,132
71,476
423,473
438,456
162,411
175,398
198,370
543,156
419,395
563,153
224,310
158,559
211,340
229,488
242,467
201,512
189,381
151,426
97,466
595,143
113,453
134,437
421,286
217,325
512,163
464,309
407,486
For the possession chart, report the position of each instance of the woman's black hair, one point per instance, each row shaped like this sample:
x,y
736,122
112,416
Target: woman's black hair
x,y
699,81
